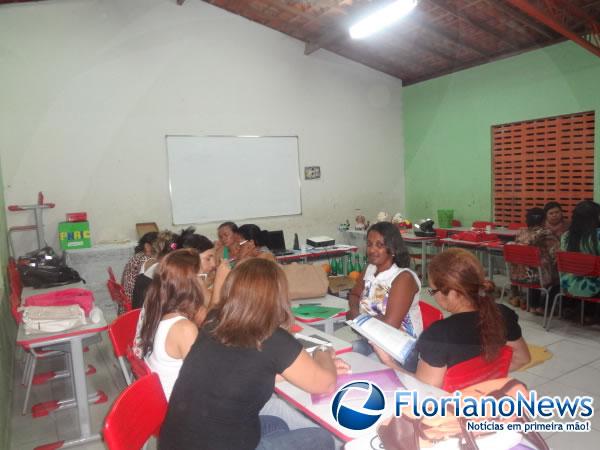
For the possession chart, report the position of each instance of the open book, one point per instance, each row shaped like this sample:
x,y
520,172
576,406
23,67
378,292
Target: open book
x,y
396,342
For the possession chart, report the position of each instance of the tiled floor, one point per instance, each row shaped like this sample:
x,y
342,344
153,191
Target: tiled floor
x,y
574,369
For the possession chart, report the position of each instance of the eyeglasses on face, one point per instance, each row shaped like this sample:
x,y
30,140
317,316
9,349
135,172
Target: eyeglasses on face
x,y
432,292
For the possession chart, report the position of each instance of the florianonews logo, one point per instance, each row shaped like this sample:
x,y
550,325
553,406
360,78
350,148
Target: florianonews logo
x,y
358,417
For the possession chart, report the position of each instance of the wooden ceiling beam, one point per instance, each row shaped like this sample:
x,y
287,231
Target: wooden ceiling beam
x,y
425,23
340,29
550,19
524,20
478,26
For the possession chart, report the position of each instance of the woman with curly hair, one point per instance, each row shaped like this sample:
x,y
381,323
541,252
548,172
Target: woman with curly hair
x,y
388,288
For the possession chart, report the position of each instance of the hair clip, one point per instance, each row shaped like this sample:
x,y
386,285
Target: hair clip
x,y
173,246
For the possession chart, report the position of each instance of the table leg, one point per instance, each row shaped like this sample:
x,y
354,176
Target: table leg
x,y
328,326
423,263
490,265
81,395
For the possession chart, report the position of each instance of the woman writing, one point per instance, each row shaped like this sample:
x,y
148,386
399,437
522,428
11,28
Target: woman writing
x,y
229,373
173,310
477,325
388,288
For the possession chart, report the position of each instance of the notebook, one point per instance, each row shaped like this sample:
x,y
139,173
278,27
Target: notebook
x,y
277,243
315,311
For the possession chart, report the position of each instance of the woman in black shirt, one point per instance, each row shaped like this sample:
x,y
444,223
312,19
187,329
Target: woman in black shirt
x,y
229,373
477,325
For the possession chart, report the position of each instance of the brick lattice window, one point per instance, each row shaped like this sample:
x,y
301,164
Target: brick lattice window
x,y
536,161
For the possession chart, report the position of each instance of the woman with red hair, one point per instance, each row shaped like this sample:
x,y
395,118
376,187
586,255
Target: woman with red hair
x,y
477,325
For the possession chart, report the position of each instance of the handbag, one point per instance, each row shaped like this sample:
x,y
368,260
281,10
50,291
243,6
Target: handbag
x,y
407,432
52,319
305,281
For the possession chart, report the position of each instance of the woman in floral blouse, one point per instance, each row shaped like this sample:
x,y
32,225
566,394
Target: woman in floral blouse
x,y
537,235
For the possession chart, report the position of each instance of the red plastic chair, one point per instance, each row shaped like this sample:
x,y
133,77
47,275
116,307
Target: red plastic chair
x,y
117,292
580,264
122,333
136,415
479,224
456,223
111,275
14,277
476,370
526,255
429,314
516,226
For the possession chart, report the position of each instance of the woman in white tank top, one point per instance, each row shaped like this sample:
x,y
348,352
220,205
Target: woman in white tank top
x,y
173,310
389,289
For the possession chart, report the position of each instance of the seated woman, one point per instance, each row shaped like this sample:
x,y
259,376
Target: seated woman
x,y
226,245
251,244
555,221
252,232
173,311
477,325
142,253
583,236
537,235
229,373
160,247
388,289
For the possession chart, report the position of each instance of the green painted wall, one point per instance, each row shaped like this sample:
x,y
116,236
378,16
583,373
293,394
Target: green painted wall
x,y
7,333
447,123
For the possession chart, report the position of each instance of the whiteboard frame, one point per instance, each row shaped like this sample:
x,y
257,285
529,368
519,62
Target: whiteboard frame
x,y
299,178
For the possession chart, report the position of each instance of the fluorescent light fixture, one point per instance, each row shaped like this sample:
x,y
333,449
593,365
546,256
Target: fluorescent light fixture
x,y
382,18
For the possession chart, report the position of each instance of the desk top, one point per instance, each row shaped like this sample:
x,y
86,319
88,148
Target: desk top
x,y
465,243
321,413
317,252
410,236
498,231
37,340
329,300
339,345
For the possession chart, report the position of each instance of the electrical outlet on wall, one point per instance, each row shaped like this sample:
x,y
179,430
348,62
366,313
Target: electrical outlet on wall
x,y
312,172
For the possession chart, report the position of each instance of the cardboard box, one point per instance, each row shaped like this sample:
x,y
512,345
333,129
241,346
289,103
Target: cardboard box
x,y
72,235
145,227
338,285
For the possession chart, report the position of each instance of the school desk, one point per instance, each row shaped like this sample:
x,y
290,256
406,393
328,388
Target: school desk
x,y
310,253
422,242
73,338
327,301
502,233
340,346
321,412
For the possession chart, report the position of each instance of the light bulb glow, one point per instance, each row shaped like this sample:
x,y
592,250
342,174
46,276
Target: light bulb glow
x,y
382,18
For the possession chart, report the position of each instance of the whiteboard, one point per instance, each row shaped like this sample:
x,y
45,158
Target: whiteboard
x,y
218,178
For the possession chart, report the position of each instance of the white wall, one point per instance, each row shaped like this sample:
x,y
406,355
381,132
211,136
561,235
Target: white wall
x,y
90,88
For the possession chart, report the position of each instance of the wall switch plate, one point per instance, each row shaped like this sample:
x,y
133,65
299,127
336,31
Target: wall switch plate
x,y
312,172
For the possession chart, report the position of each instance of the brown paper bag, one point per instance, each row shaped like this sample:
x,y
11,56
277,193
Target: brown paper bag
x,y
305,280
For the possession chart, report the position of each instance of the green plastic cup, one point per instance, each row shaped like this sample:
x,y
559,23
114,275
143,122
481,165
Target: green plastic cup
x,y
445,217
